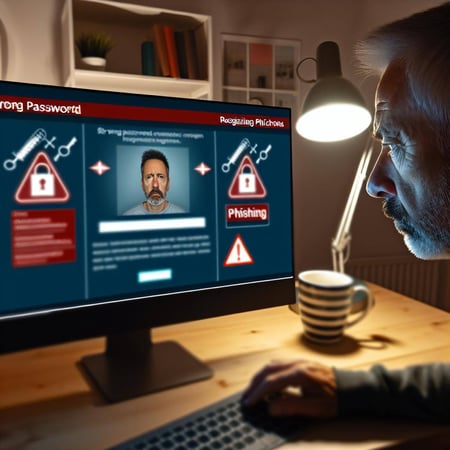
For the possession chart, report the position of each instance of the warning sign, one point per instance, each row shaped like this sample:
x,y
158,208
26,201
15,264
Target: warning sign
x,y
238,254
246,182
41,183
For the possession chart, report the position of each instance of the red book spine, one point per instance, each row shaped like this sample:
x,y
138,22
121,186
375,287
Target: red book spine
x,y
169,36
161,49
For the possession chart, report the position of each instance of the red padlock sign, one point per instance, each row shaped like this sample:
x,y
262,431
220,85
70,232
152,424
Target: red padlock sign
x,y
247,182
41,183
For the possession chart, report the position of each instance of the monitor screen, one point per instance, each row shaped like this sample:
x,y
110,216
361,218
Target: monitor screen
x,y
123,212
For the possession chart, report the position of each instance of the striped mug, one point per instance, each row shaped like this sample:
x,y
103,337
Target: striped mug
x,y
324,300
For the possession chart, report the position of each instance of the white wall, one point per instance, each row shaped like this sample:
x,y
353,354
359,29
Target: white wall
x,y
323,173
31,38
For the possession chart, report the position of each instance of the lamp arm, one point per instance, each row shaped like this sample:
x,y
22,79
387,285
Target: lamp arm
x,y
341,242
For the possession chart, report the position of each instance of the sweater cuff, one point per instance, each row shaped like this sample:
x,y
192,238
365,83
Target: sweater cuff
x,y
359,392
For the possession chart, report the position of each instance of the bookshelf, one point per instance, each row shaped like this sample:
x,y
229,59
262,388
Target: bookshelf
x,y
260,70
130,25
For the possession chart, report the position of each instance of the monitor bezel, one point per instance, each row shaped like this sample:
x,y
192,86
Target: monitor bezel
x,y
60,325
66,325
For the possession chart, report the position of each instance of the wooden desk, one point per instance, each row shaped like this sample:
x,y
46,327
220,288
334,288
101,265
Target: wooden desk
x,y
46,404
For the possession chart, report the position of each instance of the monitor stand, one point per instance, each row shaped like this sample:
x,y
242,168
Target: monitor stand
x,y
133,365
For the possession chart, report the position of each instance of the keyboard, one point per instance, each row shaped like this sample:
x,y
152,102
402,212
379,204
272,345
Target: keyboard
x,y
224,425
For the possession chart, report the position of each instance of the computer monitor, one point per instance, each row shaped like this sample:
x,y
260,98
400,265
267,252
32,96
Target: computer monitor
x,y
75,265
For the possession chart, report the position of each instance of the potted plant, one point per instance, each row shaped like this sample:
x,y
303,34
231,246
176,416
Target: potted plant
x,y
94,47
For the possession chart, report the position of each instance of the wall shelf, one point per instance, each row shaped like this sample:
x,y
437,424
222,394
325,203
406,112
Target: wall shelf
x,y
129,25
120,82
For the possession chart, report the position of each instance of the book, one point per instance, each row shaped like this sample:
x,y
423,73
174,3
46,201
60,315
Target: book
x,y
157,32
169,36
191,54
148,58
182,61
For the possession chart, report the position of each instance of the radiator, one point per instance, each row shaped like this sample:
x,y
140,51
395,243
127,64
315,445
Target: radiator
x,y
410,276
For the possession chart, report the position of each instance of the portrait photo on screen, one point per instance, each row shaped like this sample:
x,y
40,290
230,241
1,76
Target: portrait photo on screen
x,y
129,184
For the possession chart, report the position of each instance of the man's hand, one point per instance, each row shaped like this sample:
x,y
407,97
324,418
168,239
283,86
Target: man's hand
x,y
300,387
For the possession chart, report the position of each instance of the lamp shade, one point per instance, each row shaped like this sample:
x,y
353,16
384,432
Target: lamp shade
x,y
334,109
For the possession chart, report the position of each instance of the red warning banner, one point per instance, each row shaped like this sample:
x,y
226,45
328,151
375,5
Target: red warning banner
x,y
43,237
247,213
131,112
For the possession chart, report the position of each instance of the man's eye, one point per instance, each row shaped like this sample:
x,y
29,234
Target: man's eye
x,y
396,152
395,148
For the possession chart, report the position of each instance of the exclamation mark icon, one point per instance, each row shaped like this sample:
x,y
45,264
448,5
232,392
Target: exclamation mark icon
x,y
238,253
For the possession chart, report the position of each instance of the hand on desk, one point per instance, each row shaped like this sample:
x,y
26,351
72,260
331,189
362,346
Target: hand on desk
x,y
315,386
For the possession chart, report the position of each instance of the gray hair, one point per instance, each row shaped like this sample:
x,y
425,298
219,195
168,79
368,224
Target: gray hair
x,y
421,43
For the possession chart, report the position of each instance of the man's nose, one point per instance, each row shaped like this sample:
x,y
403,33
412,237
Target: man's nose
x,y
380,183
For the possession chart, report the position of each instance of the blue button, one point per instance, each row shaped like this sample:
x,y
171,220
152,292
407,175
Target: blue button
x,y
149,276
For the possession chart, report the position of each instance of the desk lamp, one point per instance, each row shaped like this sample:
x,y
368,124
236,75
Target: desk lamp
x,y
335,110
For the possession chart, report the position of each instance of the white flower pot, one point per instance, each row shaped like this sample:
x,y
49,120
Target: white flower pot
x,y
94,61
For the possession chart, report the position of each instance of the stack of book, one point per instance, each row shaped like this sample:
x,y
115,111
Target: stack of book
x,y
173,53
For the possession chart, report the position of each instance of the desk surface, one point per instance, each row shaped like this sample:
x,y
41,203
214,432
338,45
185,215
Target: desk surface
x,y
45,403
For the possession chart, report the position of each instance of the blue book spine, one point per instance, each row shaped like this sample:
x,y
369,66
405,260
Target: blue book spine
x,y
181,52
148,58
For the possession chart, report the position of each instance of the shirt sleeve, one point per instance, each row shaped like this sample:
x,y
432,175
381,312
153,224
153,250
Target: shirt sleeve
x,y
420,392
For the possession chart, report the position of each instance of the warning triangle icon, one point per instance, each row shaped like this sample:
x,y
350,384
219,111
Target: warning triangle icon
x,y
41,183
247,182
238,254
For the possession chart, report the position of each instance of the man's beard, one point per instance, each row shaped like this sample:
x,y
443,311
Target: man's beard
x,y
395,211
427,235
155,197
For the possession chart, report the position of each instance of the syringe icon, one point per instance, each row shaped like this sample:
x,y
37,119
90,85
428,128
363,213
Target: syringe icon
x,y
31,143
244,145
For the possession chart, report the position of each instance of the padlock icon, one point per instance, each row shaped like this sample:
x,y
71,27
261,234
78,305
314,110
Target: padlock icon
x,y
247,180
42,183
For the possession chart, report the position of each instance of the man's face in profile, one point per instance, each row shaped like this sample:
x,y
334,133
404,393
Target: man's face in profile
x,y
155,181
410,175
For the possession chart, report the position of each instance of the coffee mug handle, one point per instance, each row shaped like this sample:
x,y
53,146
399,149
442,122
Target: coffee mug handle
x,y
369,304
